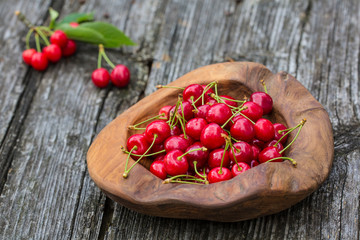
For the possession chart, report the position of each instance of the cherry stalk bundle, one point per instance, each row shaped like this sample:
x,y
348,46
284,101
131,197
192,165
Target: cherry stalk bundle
x,y
206,137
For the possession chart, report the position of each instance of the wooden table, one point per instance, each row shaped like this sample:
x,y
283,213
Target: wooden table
x,y
48,120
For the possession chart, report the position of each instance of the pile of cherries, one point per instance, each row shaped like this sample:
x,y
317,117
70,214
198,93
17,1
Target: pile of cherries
x,y
59,46
206,137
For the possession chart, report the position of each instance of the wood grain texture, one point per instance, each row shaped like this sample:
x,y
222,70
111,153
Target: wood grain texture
x,y
316,41
264,190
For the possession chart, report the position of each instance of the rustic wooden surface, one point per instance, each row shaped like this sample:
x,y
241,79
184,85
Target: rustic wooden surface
x,y
48,120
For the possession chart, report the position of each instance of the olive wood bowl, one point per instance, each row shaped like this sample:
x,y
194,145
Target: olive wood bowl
x,y
266,189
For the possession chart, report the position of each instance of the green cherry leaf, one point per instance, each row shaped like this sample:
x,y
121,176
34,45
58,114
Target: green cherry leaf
x,y
77,17
81,33
112,35
53,16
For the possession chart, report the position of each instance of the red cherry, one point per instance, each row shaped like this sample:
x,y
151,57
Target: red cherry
x,y
175,166
214,175
228,102
243,130
202,111
254,163
207,94
218,113
253,111
140,142
199,156
165,110
263,100
269,153
175,131
236,171
264,130
211,102
160,158
120,76
258,143
278,127
192,92
279,146
243,152
187,108
216,156
74,24
39,61
158,169
188,138
28,54
69,49
176,142
159,128
52,52
256,150
212,136
100,77
59,38
194,127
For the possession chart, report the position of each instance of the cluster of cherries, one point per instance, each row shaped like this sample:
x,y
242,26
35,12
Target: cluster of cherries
x,y
59,46
207,138
120,74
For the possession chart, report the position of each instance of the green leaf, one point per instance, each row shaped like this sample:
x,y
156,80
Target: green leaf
x,y
53,16
77,17
112,35
81,33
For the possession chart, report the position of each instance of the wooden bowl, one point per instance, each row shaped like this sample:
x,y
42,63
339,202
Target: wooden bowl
x,y
265,189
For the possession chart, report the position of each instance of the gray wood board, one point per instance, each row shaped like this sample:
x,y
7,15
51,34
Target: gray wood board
x,y
49,120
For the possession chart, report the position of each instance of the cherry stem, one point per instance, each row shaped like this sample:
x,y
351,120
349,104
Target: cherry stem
x,y
181,119
196,171
232,100
172,116
247,118
233,151
222,158
192,150
102,51
216,91
243,108
149,119
28,35
264,85
128,157
127,171
99,59
147,155
296,136
289,130
23,19
203,93
294,163
195,110
166,86
219,99
37,41
43,37
177,179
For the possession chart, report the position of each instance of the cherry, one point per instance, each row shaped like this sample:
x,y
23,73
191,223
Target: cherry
x,y
239,168
137,144
39,61
264,130
158,169
28,54
100,77
229,102
160,158
194,127
243,130
211,101
258,143
59,38
269,153
69,49
256,150
120,76
263,100
187,108
243,152
166,111
213,136
215,175
158,128
278,127
199,156
218,113
176,142
157,148
202,111
175,130
279,146
52,52
254,163
192,93
218,155
175,164
253,111
188,138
